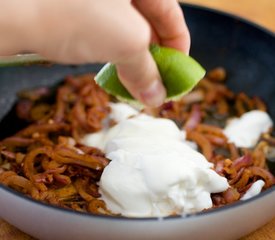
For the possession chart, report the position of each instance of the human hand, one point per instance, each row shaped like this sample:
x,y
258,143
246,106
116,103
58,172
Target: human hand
x,y
119,31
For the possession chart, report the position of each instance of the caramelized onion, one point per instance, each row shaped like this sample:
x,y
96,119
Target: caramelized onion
x,y
203,143
47,161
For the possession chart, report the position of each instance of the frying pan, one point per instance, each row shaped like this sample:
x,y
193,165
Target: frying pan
x,y
245,50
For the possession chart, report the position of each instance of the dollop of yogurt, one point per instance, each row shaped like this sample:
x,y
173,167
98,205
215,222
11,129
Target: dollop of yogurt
x,y
254,190
246,130
153,171
121,111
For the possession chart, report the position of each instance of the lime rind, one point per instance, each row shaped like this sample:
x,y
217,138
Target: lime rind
x,y
180,74
113,87
107,72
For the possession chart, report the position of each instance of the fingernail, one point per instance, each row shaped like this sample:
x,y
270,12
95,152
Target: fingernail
x,y
154,95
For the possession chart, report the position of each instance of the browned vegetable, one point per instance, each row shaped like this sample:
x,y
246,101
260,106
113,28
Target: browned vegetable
x,y
47,162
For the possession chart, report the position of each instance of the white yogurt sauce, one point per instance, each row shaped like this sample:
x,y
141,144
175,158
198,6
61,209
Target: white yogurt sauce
x,y
122,111
153,171
246,130
254,190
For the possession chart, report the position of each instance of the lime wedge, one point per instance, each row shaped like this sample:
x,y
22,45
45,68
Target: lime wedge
x,y
179,73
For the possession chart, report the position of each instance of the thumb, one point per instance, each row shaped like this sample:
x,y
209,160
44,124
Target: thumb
x,y
137,69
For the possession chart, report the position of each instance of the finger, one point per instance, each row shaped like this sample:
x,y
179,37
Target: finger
x,y
140,76
136,67
167,19
137,70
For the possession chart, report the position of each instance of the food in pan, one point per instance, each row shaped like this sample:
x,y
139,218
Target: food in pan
x,y
79,149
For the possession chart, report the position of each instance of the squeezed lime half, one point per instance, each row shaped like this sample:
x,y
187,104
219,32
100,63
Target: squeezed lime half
x,y
180,73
